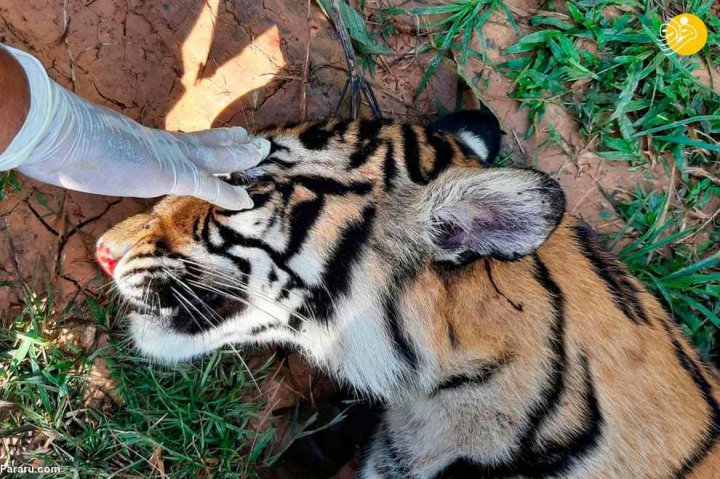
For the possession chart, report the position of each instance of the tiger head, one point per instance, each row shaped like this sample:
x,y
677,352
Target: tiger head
x,y
351,224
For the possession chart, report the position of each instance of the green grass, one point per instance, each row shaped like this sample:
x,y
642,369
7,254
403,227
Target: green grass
x,y
8,182
365,42
192,418
453,32
678,263
607,68
640,106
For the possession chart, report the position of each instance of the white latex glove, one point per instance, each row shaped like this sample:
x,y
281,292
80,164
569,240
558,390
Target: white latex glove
x,y
70,142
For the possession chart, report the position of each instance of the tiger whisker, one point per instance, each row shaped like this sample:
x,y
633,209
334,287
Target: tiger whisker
x,y
182,302
229,277
179,282
265,297
237,353
208,308
248,289
255,291
243,287
239,299
107,286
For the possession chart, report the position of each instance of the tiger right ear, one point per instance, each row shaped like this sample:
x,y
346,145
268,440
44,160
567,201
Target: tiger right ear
x,y
504,213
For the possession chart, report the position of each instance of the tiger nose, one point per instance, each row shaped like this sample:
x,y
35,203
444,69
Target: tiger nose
x,y
108,255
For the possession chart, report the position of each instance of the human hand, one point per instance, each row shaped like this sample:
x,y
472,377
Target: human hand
x,y
81,146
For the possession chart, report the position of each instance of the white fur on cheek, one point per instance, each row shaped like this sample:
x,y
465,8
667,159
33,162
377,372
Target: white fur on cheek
x,y
162,344
165,345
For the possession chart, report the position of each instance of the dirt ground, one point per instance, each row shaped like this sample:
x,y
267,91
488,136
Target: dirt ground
x,y
189,64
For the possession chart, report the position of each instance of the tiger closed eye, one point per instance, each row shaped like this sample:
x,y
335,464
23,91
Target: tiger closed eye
x,y
260,187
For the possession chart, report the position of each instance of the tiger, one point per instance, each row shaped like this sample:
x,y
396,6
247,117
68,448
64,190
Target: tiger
x,y
402,260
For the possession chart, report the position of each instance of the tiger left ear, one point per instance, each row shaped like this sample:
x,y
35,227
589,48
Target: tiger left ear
x,y
504,213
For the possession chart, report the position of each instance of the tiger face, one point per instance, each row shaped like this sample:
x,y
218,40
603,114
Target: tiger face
x,y
345,216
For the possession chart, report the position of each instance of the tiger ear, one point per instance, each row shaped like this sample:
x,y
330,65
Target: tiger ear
x,y
504,213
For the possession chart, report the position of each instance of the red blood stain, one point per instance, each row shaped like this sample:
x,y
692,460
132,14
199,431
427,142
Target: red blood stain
x,y
107,262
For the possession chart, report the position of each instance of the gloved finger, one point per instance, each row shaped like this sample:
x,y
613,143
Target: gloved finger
x,y
213,190
216,136
230,158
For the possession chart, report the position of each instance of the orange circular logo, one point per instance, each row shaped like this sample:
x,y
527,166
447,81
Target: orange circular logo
x,y
684,34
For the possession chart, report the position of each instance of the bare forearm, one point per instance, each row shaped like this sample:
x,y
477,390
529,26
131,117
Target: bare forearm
x,y
14,98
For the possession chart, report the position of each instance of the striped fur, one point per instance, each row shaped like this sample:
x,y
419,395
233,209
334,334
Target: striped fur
x,y
503,339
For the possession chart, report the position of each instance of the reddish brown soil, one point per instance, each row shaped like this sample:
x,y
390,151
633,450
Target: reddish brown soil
x,y
189,64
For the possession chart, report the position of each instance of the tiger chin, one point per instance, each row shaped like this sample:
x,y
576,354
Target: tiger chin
x,y
501,336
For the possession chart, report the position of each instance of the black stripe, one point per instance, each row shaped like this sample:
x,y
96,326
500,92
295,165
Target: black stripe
x,y
623,292
329,186
315,137
241,263
264,327
340,128
363,152
202,310
555,384
412,155
401,277
272,275
525,457
480,375
336,279
147,269
286,191
260,199
370,129
275,146
196,228
339,268
235,238
488,270
285,165
203,232
302,219
367,143
713,431
443,152
389,167
557,457
539,459
452,335
392,318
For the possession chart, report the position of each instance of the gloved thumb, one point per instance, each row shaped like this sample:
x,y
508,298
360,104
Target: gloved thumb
x,y
215,191
216,136
228,158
